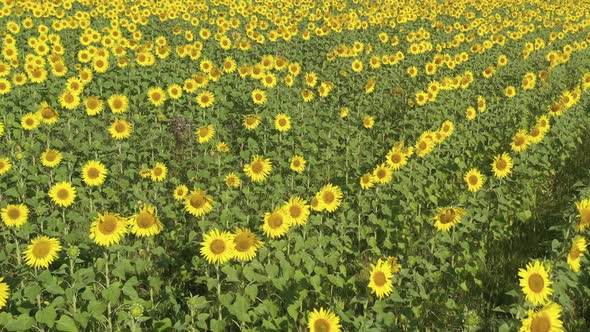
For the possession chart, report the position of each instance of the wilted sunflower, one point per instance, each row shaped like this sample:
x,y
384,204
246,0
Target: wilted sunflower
x,y
583,207
535,283
546,320
156,96
297,164
94,173
5,165
120,129
198,203
251,121
258,169
4,293
42,252
276,223
217,247
145,222
205,99
63,194
15,215
474,180
297,210
51,158
282,122
159,172
446,218
380,281
330,197
205,134
118,103
180,192
576,253
108,229
502,165
246,244
323,321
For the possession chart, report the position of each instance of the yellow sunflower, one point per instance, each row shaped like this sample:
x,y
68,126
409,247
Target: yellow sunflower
x,y
380,281
48,114
174,91
5,165
246,244
42,252
576,253
282,122
69,100
51,158
30,121
368,121
323,321
118,103
276,223
145,222
382,174
396,159
218,247
232,180
156,96
330,197
94,105
120,129
198,203
546,320
251,121
94,173
4,293
205,99
583,207
258,169
520,141
205,134
15,215
63,194
474,180
297,164
367,180
446,218
108,229
502,165
180,192
535,283
258,97
159,172
297,210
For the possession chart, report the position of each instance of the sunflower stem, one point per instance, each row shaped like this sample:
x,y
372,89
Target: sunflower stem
x,y
18,258
220,317
108,284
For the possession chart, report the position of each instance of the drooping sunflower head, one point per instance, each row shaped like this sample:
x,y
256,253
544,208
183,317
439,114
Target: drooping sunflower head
x,y
446,218
218,247
42,252
535,283
246,244
108,229
251,121
576,252
583,207
4,293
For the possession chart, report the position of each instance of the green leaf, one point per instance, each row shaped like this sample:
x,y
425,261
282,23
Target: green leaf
x,y
66,324
46,316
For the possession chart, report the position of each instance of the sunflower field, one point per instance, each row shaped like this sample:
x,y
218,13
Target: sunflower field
x,y
294,165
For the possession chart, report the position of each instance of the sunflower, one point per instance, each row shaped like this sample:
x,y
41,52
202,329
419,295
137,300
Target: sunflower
x,y
583,207
5,165
251,121
323,321
94,105
15,215
69,100
276,223
424,146
51,158
330,197
198,203
546,320
502,165
446,218
5,86
4,293
535,283
48,114
297,164
396,159
368,122
42,252
108,229
205,134
94,173
520,141
282,122
258,169
297,211
145,222
174,91
232,180
367,180
380,280
205,99
120,129
258,97
159,172
470,113
382,174
118,103
156,96
246,244
63,194
30,121
474,180
576,252
180,192
218,247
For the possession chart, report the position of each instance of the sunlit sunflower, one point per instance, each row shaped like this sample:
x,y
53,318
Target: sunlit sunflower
x,y
297,211
520,141
258,97
583,207
368,121
180,192
544,320
63,194
69,100
198,203
396,159
51,158
251,121
380,281
94,105
424,146
174,91
232,180
94,173
474,180
330,197
382,174
15,215
297,164
42,252
276,223
4,293
145,222
30,121
48,114
535,283
205,99
258,169
282,122
323,321
156,96
108,229
159,172
246,244
205,134
576,253
118,103
217,247
120,129
446,218
367,180
5,165
502,165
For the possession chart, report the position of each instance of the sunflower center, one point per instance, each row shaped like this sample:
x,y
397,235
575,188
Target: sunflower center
x,y
422,145
158,171
328,197
250,121
381,173
30,122
295,211
447,217
296,163
107,225
93,173
536,282
117,103
13,213
145,220
63,194
47,113
120,127
92,103
275,220
585,216
258,96
473,179
257,167
575,253
396,158
379,278
156,96
197,201
69,98
180,192
203,132
243,242
204,99
41,249
322,325
501,164
519,141
282,122
217,246
541,323
51,155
